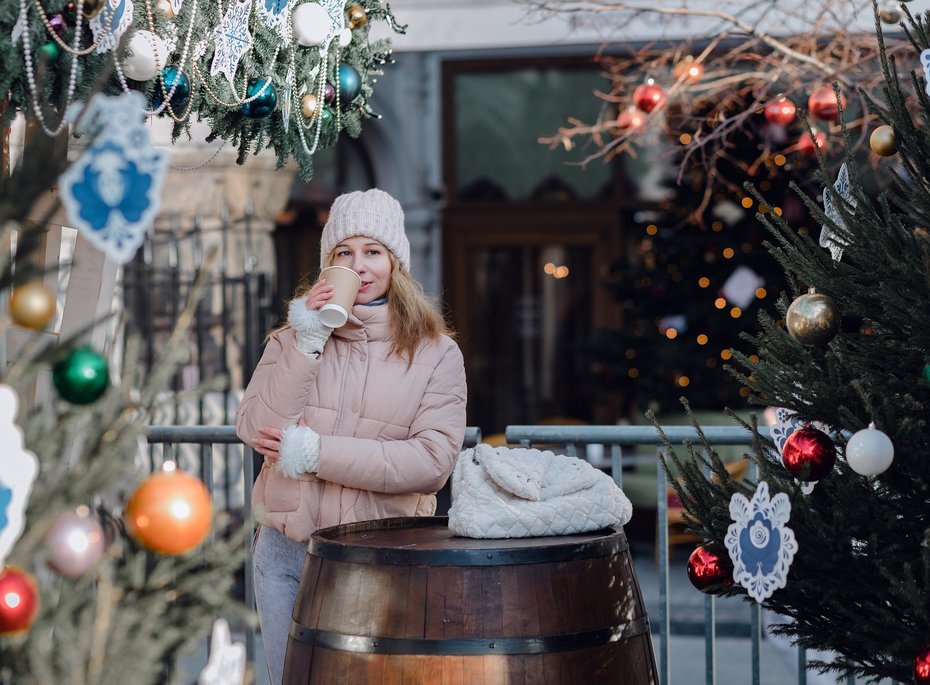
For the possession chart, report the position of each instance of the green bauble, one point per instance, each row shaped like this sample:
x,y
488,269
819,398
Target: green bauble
x,y
927,372
264,104
327,116
82,376
48,51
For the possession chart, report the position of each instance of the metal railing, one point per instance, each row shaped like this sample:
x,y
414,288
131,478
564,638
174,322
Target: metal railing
x,y
616,438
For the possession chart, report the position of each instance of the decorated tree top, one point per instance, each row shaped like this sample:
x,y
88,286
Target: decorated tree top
x,y
289,75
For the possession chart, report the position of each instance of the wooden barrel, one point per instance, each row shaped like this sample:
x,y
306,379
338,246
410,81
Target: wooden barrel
x,y
402,600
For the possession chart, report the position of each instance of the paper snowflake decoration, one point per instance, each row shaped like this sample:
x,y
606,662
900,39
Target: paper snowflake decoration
x,y
274,13
761,547
112,22
226,665
232,39
18,469
828,237
925,62
113,191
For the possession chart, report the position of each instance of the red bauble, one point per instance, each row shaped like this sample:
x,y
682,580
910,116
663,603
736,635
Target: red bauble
x,y
922,667
630,119
648,97
706,568
780,111
823,103
806,143
19,601
808,454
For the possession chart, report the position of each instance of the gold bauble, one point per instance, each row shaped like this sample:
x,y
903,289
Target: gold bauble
x,y
32,305
309,105
883,141
812,319
357,16
91,8
166,8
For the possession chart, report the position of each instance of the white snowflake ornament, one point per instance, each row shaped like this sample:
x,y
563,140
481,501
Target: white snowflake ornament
x,y
232,40
110,25
18,469
226,665
761,546
828,238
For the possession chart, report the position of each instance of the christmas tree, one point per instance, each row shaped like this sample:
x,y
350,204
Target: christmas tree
x,y
108,573
833,531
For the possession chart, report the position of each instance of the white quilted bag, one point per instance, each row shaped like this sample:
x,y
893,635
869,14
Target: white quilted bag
x,y
501,492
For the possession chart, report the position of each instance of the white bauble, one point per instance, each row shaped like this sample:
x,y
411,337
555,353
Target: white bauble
x,y
312,25
345,37
146,55
869,452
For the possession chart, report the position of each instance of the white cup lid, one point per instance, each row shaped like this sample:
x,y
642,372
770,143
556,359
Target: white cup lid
x,y
333,315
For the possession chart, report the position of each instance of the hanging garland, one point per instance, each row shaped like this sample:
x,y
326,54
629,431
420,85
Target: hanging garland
x,y
290,75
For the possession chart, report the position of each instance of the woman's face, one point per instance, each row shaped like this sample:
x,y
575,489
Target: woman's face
x,y
370,260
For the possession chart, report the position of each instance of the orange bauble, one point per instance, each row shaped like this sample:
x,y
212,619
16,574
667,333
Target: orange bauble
x,y
170,513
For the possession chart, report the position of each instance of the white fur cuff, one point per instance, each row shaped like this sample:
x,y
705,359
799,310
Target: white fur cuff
x,y
312,333
299,451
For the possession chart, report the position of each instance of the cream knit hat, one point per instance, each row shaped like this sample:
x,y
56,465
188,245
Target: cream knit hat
x,y
370,213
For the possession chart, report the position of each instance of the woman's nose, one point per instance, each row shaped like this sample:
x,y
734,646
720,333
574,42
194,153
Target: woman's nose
x,y
358,264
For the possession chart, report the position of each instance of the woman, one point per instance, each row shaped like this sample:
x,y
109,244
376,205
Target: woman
x,y
359,423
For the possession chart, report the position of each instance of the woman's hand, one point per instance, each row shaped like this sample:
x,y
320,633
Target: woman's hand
x,y
269,444
319,294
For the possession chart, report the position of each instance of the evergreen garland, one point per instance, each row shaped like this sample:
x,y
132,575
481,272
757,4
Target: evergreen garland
x,y
859,585
212,99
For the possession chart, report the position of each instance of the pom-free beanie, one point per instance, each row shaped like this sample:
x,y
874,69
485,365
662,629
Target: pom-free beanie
x,y
372,214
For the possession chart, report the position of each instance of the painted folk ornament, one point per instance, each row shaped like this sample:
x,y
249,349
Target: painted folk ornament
x,y
226,665
18,470
760,544
112,192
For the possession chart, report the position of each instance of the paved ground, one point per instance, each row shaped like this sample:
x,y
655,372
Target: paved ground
x,y
687,651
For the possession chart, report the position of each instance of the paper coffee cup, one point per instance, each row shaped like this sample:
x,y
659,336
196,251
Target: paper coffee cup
x,y
345,284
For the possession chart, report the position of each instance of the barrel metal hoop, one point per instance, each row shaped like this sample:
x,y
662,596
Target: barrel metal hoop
x,y
477,646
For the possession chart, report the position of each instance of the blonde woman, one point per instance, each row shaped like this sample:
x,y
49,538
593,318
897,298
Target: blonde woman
x,y
362,422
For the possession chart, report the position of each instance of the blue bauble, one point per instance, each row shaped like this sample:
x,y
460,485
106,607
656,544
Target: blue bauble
x,y
350,84
182,93
264,104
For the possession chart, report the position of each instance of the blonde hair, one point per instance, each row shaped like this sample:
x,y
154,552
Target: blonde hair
x,y
415,319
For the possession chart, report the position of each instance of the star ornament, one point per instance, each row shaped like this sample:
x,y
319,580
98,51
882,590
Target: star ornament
x,y
232,39
828,237
226,665
18,469
761,546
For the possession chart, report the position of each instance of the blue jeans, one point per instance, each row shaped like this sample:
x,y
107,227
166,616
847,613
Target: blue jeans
x,y
277,562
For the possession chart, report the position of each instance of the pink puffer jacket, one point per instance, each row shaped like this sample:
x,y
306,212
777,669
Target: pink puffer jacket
x,y
389,434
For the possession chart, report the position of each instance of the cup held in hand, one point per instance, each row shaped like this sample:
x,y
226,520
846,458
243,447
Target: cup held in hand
x,y
345,284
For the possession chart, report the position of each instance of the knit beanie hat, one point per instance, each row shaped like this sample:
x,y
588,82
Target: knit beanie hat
x,y
372,214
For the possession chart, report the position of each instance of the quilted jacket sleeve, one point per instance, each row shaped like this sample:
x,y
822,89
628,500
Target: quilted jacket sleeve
x,y
280,385
423,462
